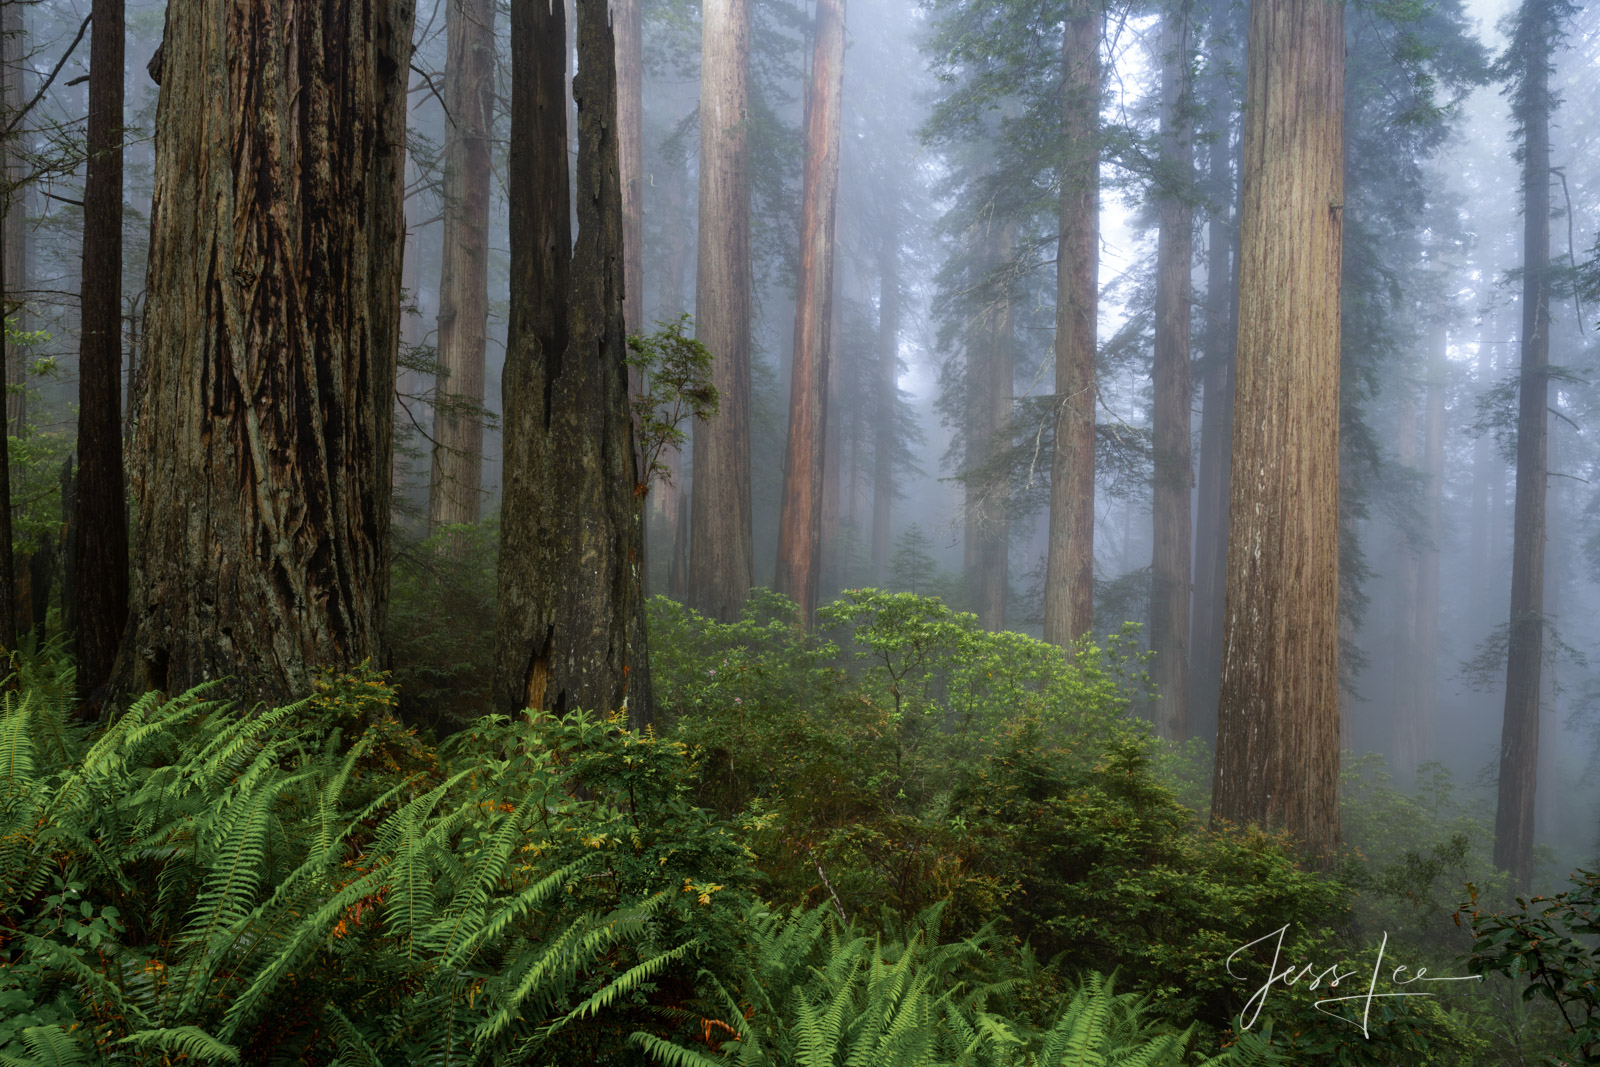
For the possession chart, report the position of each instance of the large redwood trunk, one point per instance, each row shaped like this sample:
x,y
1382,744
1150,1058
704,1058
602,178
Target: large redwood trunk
x,y
1069,560
1174,473
1519,737
456,482
263,450
800,518
720,559
1278,734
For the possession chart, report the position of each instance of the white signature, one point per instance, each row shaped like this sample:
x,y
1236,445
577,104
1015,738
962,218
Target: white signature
x,y
1289,976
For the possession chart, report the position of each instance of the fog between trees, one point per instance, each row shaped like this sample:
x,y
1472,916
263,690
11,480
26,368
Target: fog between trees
x,y
987,296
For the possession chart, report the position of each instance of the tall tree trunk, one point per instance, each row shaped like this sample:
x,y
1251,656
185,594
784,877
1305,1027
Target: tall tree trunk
x,y
887,388
1278,734
569,626
720,556
1519,737
831,558
992,559
263,451
1405,615
670,502
456,481
1069,566
102,531
1426,667
1174,472
800,516
13,48
1216,413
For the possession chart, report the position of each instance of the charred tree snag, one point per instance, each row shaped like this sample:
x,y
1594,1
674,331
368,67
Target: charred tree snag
x,y
569,628
262,458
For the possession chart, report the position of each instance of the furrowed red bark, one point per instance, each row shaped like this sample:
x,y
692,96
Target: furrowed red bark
x,y
800,517
720,557
1069,560
1519,737
1278,734
263,451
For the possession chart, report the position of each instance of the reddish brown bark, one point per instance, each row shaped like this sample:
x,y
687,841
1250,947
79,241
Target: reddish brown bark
x,y
263,450
1069,560
1278,734
1519,737
800,516
720,563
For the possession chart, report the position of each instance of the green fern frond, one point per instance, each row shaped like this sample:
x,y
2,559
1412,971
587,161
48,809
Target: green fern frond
x,y
673,1055
54,1047
352,1042
190,1041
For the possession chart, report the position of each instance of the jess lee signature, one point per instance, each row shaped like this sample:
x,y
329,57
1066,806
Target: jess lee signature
x,y
1290,975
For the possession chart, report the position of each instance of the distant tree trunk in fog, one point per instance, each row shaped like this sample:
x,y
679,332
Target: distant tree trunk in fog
x,y
1174,471
1069,568
672,500
888,393
8,585
627,25
101,534
1519,739
800,515
262,458
455,486
569,622
1406,616
1216,412
1278,735
720,564
992,555
832,559
1426,667
13,46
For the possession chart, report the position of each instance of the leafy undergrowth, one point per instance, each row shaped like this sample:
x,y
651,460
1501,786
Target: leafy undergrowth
x,y
897,839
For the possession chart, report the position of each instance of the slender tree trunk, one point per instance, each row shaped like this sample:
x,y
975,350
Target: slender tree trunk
x,y
569,627
1278,734
102,532
1426,668
1405,615
993,560
1174,472
720,563
798,568
830,557
1069,567
672,500
263,453
13,48
887,388
8,583
456,482
1519,738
